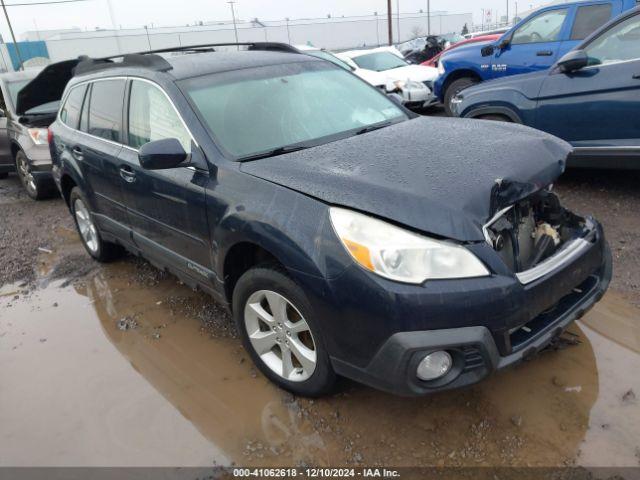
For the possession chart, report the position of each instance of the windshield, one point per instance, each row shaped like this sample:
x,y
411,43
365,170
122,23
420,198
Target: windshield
x,y
250,112
330,58
14,88
380,61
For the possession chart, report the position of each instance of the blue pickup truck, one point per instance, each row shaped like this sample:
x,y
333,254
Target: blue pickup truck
x,y
535,43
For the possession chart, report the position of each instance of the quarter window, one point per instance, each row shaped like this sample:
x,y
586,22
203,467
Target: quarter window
x,y
84,116
545,27
618,44
70,112
105,109
588,19
152,117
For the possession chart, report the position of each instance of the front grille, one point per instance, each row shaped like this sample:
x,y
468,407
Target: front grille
x,y
519,337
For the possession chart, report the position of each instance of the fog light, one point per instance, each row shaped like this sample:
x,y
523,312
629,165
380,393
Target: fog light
x,y
434,365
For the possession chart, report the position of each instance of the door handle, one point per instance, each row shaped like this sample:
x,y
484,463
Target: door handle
x,y
127,174
544,53
76,152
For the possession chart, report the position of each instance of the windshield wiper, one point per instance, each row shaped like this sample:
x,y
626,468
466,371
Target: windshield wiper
x,y
274,152
375,126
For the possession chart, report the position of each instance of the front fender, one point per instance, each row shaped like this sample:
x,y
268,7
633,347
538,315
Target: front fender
x,y
291,226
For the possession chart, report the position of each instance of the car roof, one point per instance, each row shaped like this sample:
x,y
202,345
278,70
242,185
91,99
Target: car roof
x,y
190,65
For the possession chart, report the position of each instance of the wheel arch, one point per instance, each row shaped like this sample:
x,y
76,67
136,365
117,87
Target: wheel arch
x,y
457,75
501,110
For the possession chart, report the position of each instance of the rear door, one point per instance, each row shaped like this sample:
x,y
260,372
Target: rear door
x,y
167,208
534,45
97,149
599,105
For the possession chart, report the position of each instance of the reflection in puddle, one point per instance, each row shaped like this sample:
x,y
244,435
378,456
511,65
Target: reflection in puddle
x,y
72,398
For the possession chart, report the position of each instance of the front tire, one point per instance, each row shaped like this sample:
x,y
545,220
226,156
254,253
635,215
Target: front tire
x,y
281,333
89,234
37,188
454,89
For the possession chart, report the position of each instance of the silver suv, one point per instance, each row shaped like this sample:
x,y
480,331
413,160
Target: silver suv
x,y
23,136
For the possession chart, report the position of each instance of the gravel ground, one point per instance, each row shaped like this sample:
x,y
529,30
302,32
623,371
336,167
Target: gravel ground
x,y
25,226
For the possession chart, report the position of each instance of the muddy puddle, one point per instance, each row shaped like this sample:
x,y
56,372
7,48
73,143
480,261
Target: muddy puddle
x,y
126,366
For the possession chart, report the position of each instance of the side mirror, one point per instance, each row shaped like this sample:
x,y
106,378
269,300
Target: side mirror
x,y
162,154
487,50
573,61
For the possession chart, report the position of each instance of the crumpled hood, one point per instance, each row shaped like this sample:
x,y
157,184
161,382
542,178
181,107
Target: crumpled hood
x,y
417,73
435,175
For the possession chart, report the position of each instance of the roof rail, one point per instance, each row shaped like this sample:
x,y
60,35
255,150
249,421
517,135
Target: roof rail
x,y
151,60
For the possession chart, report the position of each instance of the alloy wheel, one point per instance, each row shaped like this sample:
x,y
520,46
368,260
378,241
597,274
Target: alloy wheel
x,y
25,174
280,335
86,226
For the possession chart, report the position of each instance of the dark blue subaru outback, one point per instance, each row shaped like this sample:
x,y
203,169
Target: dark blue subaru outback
x,y
347,235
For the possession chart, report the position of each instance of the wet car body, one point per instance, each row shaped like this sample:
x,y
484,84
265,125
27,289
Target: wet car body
x,y
35,160
215,219
594,107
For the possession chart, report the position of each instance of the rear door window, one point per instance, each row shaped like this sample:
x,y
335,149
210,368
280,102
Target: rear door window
x,y
105,109
588,19
70,112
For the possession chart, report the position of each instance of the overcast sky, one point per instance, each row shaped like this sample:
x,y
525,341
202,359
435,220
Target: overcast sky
x,y
90,14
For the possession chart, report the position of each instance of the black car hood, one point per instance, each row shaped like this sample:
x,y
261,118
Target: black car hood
x,y
47,87
441,176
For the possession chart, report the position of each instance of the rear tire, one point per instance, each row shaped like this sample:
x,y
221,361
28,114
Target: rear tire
x,y
89,234
281,333
455,88
37,187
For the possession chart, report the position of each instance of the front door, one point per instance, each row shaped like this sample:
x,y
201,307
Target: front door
x,y
167,209
598,106
534,45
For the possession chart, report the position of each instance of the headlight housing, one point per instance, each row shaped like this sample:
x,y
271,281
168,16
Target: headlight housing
x,y
399,254
39,135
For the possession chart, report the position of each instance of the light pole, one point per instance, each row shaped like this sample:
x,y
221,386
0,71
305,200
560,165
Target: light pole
x,y
377,28
507,12
288,31
390,22
428,17
398,14
233,17
146,29
482,21
15,44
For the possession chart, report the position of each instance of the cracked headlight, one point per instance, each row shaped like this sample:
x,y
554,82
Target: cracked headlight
x,y
401,255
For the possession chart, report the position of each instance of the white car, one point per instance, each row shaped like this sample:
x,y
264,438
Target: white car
x,y
376,79
414,83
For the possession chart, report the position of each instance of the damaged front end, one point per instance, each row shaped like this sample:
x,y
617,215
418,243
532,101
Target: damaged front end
x,y
536,235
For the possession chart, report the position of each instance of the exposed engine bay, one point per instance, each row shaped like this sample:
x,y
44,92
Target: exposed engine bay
x,y
532,230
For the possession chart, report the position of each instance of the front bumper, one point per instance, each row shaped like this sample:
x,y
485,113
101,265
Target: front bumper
x,y
416,97
460,321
